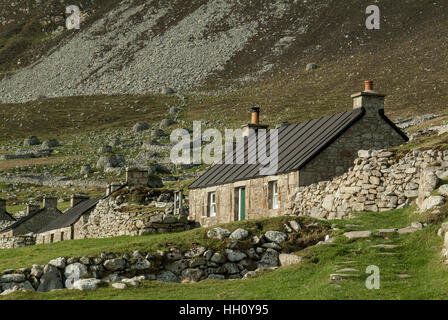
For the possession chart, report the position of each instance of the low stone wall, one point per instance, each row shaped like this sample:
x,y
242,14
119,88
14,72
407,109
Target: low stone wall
x,y
378,181
110,219
241,255
17,242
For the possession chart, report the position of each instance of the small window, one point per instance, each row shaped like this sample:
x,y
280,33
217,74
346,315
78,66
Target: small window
x,y
273,195
52,238
62,236
212,204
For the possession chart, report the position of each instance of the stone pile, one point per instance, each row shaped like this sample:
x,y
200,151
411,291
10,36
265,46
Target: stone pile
x,y
378,181
243,256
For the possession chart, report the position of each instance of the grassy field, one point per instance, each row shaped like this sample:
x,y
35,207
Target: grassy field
x,y
417,255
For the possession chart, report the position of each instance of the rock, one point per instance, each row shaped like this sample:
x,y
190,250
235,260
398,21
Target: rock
x,y
195,252
86,284
231,268
289,259
311,66
216,277
167,276
192,275
218,233
132,282
110,161
37,270
140,126
105,149
443,190
12,278
428,183
166,123
269,259
51,279
115,264
75,271
364,154
118,285
157,133
14,287
276,236
272,245
295,225
167,91
249,274
52,143
407,230
87,169
174,110
141,264
358,234
417,225
239,234
235,256
327,203
218,258
177,266
31,141
432,202
59,263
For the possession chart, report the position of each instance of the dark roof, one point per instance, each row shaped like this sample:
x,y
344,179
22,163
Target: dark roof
x,y
10,216
71,215
297,145
22,220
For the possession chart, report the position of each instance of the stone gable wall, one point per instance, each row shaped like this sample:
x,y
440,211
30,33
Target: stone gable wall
x,y
377,182
369,132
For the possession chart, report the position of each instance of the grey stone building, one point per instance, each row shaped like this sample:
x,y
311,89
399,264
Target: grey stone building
x,y
35,219
309,152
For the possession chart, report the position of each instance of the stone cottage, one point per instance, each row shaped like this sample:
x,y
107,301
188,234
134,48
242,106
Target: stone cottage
x,y
308,152
35,219
5,218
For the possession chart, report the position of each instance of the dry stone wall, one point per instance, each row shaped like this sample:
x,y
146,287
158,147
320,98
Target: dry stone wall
x,y
378,181
110,219
242,256
17,242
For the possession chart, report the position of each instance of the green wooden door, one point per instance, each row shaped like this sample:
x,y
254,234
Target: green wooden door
x,y
242,204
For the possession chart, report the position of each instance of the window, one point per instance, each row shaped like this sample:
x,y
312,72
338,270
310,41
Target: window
x,y
52,238
62,236
212,204
273,195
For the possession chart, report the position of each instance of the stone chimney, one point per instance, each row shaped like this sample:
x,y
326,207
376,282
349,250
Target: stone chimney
x,y
76,199
50,203
371,100
254,123
31,208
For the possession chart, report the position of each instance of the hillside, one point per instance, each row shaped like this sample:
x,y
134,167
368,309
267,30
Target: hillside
x,y
243,53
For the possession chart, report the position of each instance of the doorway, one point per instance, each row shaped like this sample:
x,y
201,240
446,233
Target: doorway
x,y
241,204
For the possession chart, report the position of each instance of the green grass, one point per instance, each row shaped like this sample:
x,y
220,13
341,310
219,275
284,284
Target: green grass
x,y
417,255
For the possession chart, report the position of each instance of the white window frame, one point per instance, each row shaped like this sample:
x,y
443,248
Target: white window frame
x,y
275,202
212,204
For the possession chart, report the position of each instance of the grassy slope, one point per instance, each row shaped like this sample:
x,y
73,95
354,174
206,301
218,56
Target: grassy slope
x,y
417,255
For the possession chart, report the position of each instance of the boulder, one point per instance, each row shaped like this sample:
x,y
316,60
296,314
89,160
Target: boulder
x,y
31,141
140,126
86,284
358,234
105,149
167,276
75,271
269,259
166,123
276,236
443,190
289,259
195,252
12,278
218,233
327,203
118,285
428,183
141,264
218,258
239,234
295,225
115,264
192,275
432,202
59,263
311,66
14,287
52,143
110,161
235,256
51,279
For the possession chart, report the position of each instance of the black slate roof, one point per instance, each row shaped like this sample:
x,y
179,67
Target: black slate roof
x,y
21,220
297,145
72,215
